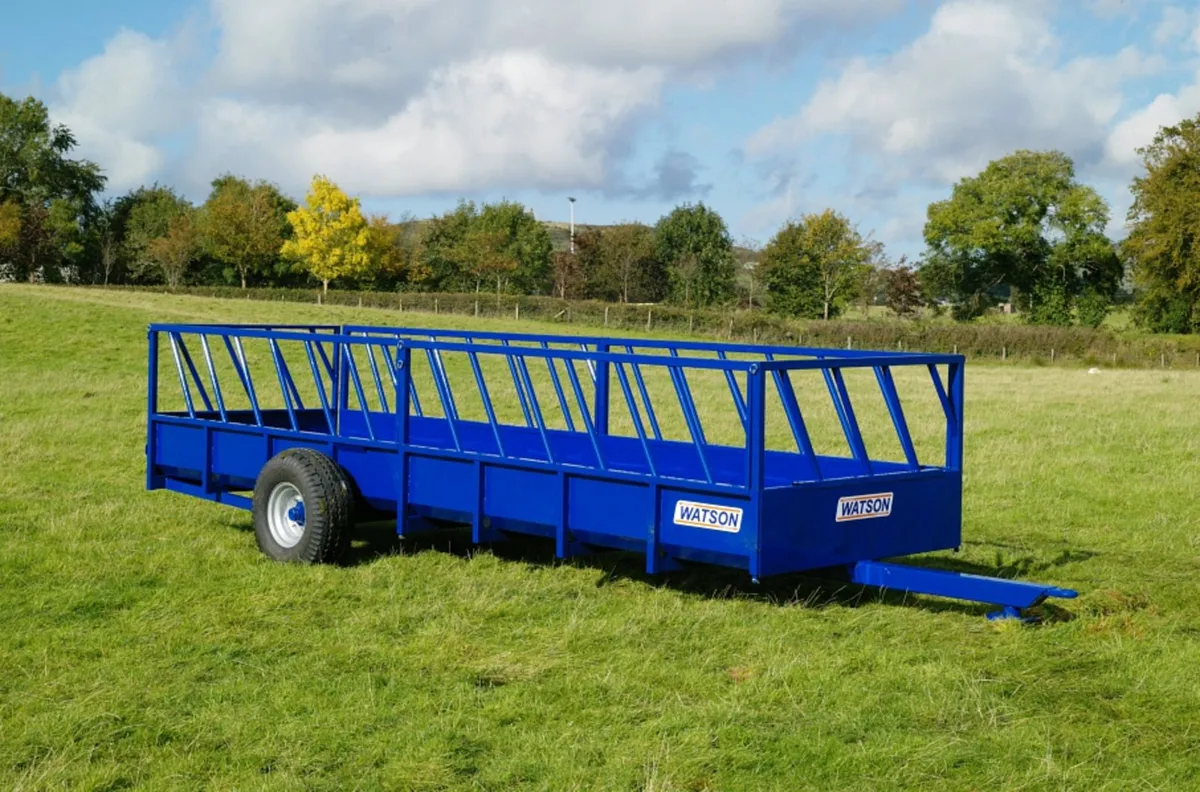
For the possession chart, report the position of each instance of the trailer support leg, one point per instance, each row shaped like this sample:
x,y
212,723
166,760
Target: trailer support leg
x,y
1013,596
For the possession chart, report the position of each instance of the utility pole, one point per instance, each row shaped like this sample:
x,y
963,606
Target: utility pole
x,y
572,200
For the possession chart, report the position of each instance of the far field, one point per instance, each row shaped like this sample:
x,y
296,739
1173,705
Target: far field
x,y
145,643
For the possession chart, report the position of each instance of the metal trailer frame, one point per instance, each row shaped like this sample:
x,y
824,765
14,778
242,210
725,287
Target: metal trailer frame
x,y
581,484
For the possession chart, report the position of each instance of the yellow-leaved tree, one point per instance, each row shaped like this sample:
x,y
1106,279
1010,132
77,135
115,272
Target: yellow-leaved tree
x,y
331,235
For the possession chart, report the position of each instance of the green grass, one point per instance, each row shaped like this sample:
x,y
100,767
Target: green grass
x,y
144,642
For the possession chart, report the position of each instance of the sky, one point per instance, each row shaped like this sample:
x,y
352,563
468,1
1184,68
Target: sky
x,y
762,109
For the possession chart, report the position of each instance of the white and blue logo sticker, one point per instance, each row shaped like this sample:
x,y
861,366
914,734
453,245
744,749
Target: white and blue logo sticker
x,y
706,515
864,507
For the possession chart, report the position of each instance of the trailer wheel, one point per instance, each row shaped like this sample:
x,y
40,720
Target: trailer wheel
x,y
303,507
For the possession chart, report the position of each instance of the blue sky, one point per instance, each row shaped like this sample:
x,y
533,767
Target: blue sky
x,y
764,109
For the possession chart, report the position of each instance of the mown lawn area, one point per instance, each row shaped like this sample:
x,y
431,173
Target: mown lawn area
x,y
146,644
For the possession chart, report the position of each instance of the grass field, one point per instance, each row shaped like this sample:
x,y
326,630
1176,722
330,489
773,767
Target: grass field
x,y
145,643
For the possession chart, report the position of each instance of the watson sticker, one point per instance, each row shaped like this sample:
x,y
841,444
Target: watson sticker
x,y
706,515
864,507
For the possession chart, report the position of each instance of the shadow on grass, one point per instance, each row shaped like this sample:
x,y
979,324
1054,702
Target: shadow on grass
x,y
817,589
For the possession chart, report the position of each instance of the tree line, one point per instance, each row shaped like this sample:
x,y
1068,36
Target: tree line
x,y
1024,232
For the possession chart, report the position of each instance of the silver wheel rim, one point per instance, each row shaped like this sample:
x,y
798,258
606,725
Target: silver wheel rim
x,y
285,515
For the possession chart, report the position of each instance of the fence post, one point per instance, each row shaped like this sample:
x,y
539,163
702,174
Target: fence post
x,y
1051,354
648,318
606,316
435,304
755,334
691,323
731,328
477,308
401,301
1162,356
1004,352
849,342
517,312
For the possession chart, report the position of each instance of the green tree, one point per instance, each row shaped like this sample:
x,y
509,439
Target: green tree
x,y
485,254
244,225
394,250
518,237
570,280
813,266
1163,245
695,245
504,233
34,162
443,237
148,212
1025,222
35,250
174,251
10,226
626,266
331,237
107,232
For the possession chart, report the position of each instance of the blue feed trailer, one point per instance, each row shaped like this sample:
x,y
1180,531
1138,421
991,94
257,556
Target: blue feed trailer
x,y
684,451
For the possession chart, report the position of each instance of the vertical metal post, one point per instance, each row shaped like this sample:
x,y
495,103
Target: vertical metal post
x,y
402,387
151,403
756,454
954,434
756,428
600,410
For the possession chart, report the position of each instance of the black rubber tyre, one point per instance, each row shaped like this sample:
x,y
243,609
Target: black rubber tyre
x,y
322,532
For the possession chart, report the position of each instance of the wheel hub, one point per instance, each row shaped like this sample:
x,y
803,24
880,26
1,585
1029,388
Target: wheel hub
x,y
285,514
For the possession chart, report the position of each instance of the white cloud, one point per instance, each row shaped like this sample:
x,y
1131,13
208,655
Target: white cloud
x,y
406,96
985,79
511,118
1139,128
1174,24
399,97
119,102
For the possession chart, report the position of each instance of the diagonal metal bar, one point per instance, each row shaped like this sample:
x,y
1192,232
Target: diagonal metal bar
x,y
212,374
558,390
633,413
573,376
183,385
352,372
883,374
487,401
191,366
322,395
641,386
280,368
537,410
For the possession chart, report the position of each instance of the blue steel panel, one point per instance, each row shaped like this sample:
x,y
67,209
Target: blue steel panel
x,y
515,494
707,522
801,529
440,482
239,453
179,446
610,508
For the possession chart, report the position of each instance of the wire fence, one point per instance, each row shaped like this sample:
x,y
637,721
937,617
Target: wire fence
x,y
1002,342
